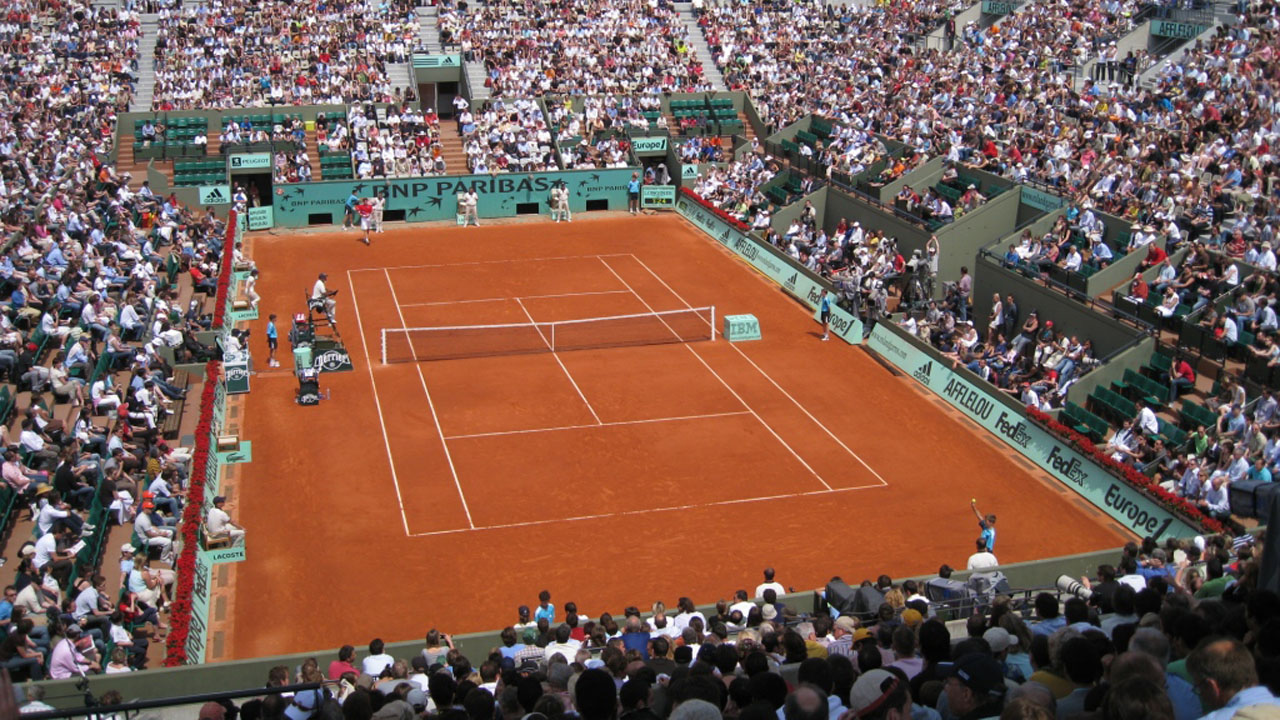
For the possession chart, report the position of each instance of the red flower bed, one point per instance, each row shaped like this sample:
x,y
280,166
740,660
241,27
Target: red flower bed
x,y
185,568
733,221
224,271
1127,473
180,610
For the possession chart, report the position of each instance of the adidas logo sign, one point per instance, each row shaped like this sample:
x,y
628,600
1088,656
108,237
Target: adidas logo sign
x,y
923,372
215,196
791,281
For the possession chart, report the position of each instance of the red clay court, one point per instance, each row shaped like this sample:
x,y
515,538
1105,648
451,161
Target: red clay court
x,y
444,493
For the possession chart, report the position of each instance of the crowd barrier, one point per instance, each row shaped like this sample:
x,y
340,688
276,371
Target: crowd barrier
x,y
189,614
795,279
1133,507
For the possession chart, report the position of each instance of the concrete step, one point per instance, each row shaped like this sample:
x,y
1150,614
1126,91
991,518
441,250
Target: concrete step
x,y
455,158
145,88
476,77
698,42
429,29
400,75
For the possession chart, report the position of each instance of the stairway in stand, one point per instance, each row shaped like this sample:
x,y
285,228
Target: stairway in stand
x,y
313,154
746,127
455,157
698,43
146,76
428,29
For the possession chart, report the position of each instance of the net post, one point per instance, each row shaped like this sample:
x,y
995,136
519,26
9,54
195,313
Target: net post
x,y
553,337
384,345
713,323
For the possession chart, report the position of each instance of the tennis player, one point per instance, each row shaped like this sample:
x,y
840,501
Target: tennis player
x,y
824,306
273,341
365,210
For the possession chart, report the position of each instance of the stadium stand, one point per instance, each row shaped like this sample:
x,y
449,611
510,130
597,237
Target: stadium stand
x,y
221,55
618,47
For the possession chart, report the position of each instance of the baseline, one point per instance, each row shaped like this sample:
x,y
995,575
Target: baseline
x,y
645,511
605,424
522,297
484,262
769,377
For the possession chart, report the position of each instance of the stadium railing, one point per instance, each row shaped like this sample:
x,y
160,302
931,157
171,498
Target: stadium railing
x,y
182,647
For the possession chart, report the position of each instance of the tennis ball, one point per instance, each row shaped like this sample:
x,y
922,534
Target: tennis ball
x,y
973,500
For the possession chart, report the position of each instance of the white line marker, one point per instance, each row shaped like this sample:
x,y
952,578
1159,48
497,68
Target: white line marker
x,y
522,297
559,362
722,382
439,431
386,441
486,262
677,418
770,379
645,511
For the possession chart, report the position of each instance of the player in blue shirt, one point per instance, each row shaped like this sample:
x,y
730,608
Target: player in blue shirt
x,y
988,525
545,608
349,211
824,308
273,341
633,194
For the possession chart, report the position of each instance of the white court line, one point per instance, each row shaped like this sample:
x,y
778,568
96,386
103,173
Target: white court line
x,y
522,297
486,262
722,381
559,362
770,379
646,511
603,424
368,363
439,431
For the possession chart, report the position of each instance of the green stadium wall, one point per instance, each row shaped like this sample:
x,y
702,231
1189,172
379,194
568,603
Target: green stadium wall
x,y
435,198
1004,417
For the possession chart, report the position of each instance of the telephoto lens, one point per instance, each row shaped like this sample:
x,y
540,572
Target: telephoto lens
x,y
1068,584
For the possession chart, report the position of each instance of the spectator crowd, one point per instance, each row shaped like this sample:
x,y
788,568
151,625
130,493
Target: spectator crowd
x,y
1172,631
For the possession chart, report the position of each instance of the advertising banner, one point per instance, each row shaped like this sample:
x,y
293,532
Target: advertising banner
x,y
1122,502
198,636
224,555
1040,200
656,145
437,61
436,198
1171,29
261,218
215,194
251,161
658,197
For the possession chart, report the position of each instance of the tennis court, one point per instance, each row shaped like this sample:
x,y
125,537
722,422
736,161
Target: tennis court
x,y
645,387
640,460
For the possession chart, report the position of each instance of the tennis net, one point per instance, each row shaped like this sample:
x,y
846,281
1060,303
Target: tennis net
x,y
464,341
